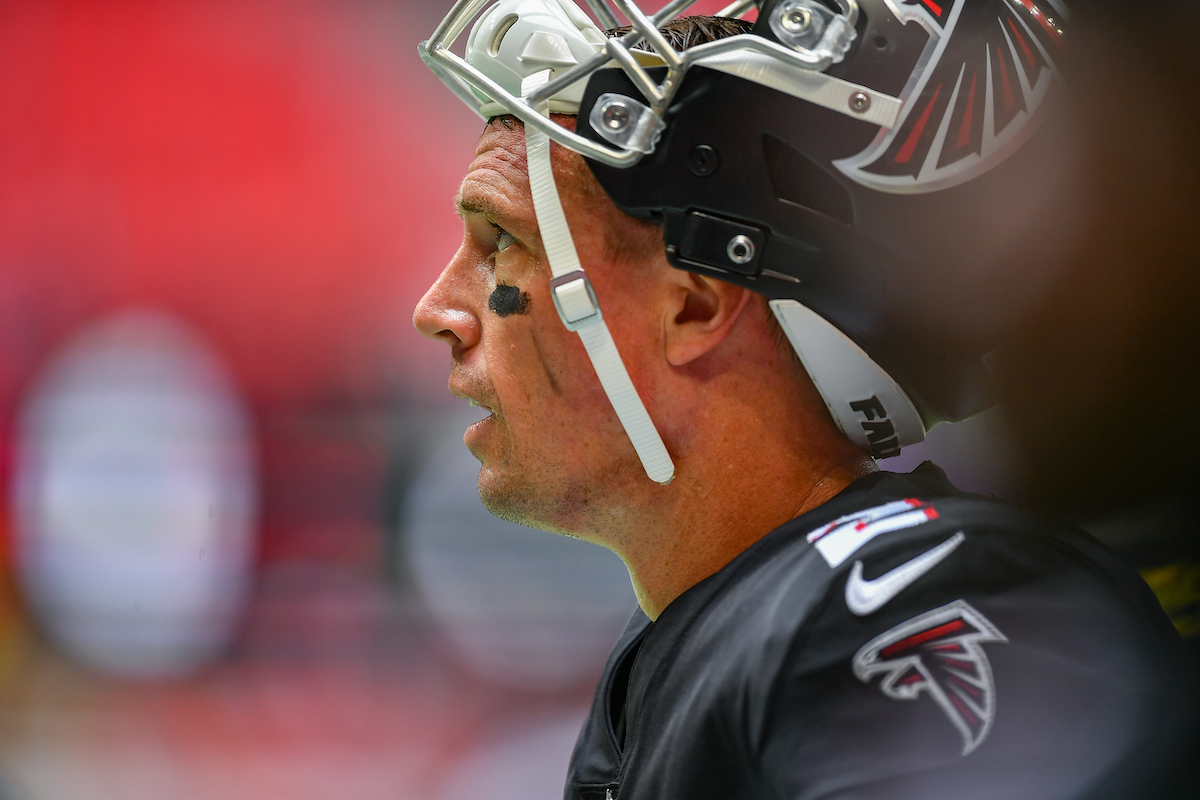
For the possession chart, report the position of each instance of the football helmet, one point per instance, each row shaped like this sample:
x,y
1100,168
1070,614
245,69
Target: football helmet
x,y
838,156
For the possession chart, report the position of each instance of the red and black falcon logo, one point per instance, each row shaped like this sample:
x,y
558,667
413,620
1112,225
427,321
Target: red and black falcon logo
x,y
972,100
939,653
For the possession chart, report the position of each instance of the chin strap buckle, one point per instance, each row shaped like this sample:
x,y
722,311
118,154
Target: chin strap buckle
x,y
575,300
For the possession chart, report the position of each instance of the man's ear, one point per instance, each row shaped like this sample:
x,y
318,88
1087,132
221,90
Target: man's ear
x,y
700,313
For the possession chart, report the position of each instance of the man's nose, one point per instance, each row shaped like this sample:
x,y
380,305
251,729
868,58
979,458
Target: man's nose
x,y
446,313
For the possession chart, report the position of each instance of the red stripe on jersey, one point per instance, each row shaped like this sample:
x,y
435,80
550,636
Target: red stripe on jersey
x,y
923,636
962,709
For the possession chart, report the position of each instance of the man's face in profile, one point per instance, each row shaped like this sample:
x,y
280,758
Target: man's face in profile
x,y
551,441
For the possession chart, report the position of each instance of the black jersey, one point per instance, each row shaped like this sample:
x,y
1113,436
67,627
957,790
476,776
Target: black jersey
x,y
903,640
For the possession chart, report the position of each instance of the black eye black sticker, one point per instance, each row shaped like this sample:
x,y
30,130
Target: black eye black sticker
x,y
507,300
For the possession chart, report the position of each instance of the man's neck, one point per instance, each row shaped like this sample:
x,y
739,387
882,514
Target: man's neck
x,y
754,446
711,522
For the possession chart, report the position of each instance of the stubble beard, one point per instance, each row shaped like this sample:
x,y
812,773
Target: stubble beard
x,y
529,495
538,494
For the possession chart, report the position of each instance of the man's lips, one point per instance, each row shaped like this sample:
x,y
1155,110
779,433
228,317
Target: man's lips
x,y
472,397
475,431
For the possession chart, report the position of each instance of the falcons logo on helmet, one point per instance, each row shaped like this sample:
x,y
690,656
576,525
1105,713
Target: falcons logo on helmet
x,y
939,653
971,101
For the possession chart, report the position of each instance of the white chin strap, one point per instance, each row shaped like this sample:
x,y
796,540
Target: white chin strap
x,y
577,305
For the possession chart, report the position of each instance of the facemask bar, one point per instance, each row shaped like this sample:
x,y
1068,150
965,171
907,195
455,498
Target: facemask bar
x,y
463,77
604,13
736,9
466,80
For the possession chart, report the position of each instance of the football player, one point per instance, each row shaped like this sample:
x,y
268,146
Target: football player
x,y
712,270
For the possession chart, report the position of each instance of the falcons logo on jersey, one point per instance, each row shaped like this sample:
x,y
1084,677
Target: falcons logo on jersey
x,y
971,101
939,654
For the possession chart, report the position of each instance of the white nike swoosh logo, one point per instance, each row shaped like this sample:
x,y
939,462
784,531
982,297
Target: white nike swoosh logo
x,y
866,597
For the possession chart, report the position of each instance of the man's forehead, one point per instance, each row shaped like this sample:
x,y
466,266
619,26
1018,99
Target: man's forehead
x,y
497,183
504,138
502,132
497,177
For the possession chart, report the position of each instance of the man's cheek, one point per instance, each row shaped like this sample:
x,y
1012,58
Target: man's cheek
x,y
545,353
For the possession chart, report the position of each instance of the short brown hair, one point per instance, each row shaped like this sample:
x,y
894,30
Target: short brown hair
x,y
690,31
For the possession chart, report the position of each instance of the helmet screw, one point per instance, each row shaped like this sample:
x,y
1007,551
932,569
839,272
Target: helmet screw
x,y
616,116
859,102
703,160
796,19
740,249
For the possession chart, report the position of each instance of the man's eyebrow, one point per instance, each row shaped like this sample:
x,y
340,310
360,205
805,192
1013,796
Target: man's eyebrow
x,y
477,205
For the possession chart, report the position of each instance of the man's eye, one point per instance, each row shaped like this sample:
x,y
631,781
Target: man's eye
x,y
503,239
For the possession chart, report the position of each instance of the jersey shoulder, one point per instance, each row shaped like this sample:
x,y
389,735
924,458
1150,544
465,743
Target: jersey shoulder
x,y
956,635
898,543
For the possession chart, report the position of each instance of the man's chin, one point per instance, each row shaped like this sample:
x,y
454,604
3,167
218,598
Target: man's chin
x,y
517,498
508,502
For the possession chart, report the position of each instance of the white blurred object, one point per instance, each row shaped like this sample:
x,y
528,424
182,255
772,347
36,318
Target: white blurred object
x,y
524,608
136,498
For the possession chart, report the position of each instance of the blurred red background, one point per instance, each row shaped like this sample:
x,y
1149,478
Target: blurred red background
x,y
278,176
278,173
